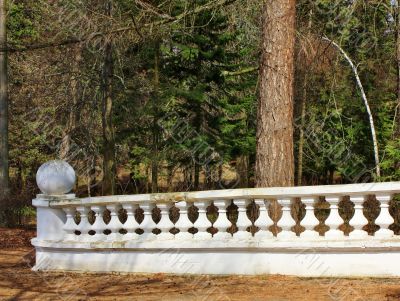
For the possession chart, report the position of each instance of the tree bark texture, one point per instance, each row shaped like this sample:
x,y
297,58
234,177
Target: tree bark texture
x,y
109,167
274,157
4,175
156,130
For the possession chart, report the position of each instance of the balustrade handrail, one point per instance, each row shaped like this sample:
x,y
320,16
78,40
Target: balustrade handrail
x,y
242,193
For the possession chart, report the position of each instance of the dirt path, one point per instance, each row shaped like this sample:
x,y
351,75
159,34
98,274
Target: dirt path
x,y
16,238
18,282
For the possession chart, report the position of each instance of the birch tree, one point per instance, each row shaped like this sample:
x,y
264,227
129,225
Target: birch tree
x,y
365,100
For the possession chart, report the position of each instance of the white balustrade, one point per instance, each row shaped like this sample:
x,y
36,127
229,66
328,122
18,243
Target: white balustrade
x,y
222,223
263,221
59,243
115,224
286,222
96,231
148,224
99,226
165,224
334,220
309,221
384,220
183,223
202,223
242,222
70,225
358,221
84,225
131,224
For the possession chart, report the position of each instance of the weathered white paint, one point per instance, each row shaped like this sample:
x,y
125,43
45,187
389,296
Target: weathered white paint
x,y
59,247
219,262
246,193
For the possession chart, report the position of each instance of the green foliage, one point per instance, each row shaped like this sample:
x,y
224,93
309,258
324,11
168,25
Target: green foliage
x,y
21,23
199,116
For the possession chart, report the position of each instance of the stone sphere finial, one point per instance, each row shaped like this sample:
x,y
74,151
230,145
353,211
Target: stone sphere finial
x,y
55,177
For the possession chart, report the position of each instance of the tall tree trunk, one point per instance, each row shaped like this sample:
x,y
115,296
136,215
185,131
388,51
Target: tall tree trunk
x,y
4,176
274,157
397,125
109,167
170,177
156,130
303,107
91,175
74,113
242,169
207,177
196,176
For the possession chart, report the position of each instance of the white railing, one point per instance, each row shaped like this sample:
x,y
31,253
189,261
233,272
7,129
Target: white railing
x,y
125,228
221,199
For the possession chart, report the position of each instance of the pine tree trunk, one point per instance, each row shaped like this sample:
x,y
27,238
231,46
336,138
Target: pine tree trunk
x,y
274,157
154,159
108,131
303,102
4,176
303,107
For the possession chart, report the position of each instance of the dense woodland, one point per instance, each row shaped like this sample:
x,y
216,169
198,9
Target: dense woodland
x,y
152,96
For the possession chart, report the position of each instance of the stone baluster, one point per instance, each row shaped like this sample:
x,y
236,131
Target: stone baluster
x,y
131,224
115,224
70,226
148,224
202,223
309,221
84,225
358,221
165,224
222,223
334,220
99,226
242,222
384,220
263,221
286,222
183,223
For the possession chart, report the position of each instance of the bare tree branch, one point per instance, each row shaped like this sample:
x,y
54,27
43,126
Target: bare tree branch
x,y
147,6
240,72
74,40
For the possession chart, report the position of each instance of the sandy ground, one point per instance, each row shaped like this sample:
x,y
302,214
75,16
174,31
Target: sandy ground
x,y
18,282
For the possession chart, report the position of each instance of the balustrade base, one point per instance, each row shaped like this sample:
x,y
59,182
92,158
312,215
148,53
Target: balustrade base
x,y
317,258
